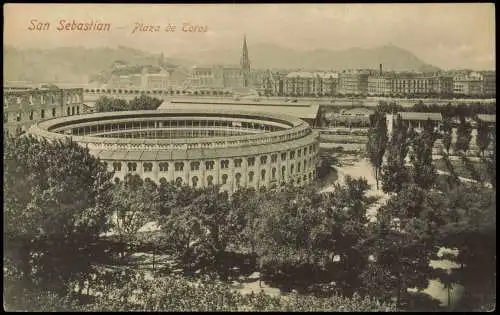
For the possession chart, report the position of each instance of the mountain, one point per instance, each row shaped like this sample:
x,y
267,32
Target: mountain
x,y
70,64
81,65
264,56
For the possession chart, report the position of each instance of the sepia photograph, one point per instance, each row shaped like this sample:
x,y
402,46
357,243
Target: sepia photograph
x,y
249,157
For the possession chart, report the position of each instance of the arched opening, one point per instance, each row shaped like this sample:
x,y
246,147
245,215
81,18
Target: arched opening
x,y
178,181
117,180
263,175
210,180
224,179
163,181
237,177
163,167
194,181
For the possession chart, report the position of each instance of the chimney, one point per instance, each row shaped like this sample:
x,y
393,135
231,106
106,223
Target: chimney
x,y
380,69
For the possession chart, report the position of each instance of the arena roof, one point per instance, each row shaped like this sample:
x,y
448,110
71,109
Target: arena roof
x,y
420,116
299,110
487,118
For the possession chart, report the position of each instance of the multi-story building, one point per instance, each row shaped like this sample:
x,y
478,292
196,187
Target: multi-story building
x,y
468,84
489,83
353,82
415,84
378,85
24,107
142,81
310,84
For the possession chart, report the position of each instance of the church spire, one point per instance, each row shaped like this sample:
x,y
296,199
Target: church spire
x,y
245,63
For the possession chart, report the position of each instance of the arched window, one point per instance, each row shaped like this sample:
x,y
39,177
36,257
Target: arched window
x,y
273,173
299,152
310,176
179,166
178,181
298,167
250,176
292,155
195,166
210,180
224,164
42,113
283,156
72,110
163,181
68,111
305,164
263,159
194,180
117,180
263,174
237,163
238,178
251,161
283,170
53,112
163,167
132,166
274,158
291,169
148,167
78,110
224,179
117,166
209,165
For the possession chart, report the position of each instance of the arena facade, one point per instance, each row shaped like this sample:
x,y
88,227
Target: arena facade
x,y
199,148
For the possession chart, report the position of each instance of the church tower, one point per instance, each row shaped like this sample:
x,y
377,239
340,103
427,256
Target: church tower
x,y
245,64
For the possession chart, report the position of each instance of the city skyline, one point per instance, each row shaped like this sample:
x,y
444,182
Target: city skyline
x,y
453,36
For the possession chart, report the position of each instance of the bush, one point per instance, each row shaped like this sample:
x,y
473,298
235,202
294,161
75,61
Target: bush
x,y
174,293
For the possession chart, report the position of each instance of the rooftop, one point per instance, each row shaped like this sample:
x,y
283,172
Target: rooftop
x,y
420,116
299,110
487,118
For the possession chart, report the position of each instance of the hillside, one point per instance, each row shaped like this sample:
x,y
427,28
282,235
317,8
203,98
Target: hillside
x,y
274,56
69,64
81,65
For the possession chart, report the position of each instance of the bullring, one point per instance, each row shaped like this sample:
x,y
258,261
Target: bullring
x,y
194,147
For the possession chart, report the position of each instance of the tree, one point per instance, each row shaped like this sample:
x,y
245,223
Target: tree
x,y
144,102
447,129
377,142
202,225
394,172
133,203
464,136
423,171
483,138
56,204
469,217
402,242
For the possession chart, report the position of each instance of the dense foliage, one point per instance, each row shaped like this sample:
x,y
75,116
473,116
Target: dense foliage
x,y
321,245
143,102
56,204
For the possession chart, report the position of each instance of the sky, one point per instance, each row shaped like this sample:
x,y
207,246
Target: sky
x,y
446,35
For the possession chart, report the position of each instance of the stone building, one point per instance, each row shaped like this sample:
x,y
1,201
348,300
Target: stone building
x,y
24,107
